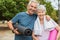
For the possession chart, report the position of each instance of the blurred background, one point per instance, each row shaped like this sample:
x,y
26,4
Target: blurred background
x,y
9,8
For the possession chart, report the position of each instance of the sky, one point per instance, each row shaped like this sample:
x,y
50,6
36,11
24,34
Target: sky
x,y
54,3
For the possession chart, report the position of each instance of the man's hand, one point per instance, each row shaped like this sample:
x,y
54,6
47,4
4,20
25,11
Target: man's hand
x,y
34,37
16,32
48,17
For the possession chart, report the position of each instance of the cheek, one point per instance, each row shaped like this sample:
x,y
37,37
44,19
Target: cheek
x,y
29,7
44,13
35,10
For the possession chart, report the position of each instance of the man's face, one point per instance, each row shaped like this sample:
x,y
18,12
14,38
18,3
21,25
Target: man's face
x,y
32,8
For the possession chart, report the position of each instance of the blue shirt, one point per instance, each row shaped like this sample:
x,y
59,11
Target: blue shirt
x,y
26,20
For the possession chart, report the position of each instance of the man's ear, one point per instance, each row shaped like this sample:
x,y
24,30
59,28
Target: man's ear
x,y
27,6
48,17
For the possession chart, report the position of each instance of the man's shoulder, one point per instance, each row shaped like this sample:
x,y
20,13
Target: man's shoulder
x,y
35,15
21,13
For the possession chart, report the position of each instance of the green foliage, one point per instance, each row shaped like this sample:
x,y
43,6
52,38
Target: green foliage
x,y
49,8
9,8
54,15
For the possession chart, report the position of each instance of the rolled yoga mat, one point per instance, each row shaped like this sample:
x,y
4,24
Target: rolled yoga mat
x,y
24,30
53,34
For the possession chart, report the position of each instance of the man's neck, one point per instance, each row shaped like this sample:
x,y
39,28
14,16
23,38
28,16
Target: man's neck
x,y
28,13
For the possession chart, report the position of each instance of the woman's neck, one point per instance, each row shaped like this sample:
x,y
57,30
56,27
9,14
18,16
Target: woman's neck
x,y
41,21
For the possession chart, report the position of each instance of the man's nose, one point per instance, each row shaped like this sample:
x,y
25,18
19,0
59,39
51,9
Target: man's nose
x,y
33,8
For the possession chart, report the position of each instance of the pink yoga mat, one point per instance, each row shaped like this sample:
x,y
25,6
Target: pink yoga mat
x,y
53,34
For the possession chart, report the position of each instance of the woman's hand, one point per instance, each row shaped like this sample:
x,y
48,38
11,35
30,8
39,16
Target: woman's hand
x,y
58,35
58,29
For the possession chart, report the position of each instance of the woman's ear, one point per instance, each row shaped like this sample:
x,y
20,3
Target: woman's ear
x,y
27,7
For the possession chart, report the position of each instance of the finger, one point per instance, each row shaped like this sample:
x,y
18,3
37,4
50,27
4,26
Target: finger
x,y
17,32
16,29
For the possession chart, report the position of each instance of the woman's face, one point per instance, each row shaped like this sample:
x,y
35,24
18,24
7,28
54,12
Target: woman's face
x,y
41,13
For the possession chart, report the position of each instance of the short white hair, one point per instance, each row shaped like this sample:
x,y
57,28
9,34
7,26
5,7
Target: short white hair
x,y
34,1
41,7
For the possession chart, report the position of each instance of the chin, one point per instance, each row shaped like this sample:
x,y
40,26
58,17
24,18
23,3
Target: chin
x,y
31,12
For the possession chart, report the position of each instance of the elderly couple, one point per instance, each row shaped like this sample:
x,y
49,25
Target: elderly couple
x,y
36,19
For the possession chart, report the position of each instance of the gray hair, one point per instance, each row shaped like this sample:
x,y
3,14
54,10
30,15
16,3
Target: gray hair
x,y
34,1
41,7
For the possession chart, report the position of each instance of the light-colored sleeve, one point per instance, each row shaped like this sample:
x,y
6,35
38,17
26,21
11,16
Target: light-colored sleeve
x,y
50,25
55,24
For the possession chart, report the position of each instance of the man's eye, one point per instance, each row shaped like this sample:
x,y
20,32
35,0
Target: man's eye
x,y
39,12
31,6
34,7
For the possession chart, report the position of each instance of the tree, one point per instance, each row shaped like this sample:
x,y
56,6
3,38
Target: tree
x,y
54,15
9,8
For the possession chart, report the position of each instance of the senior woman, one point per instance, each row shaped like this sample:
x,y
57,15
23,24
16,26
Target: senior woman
x,y
42,27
